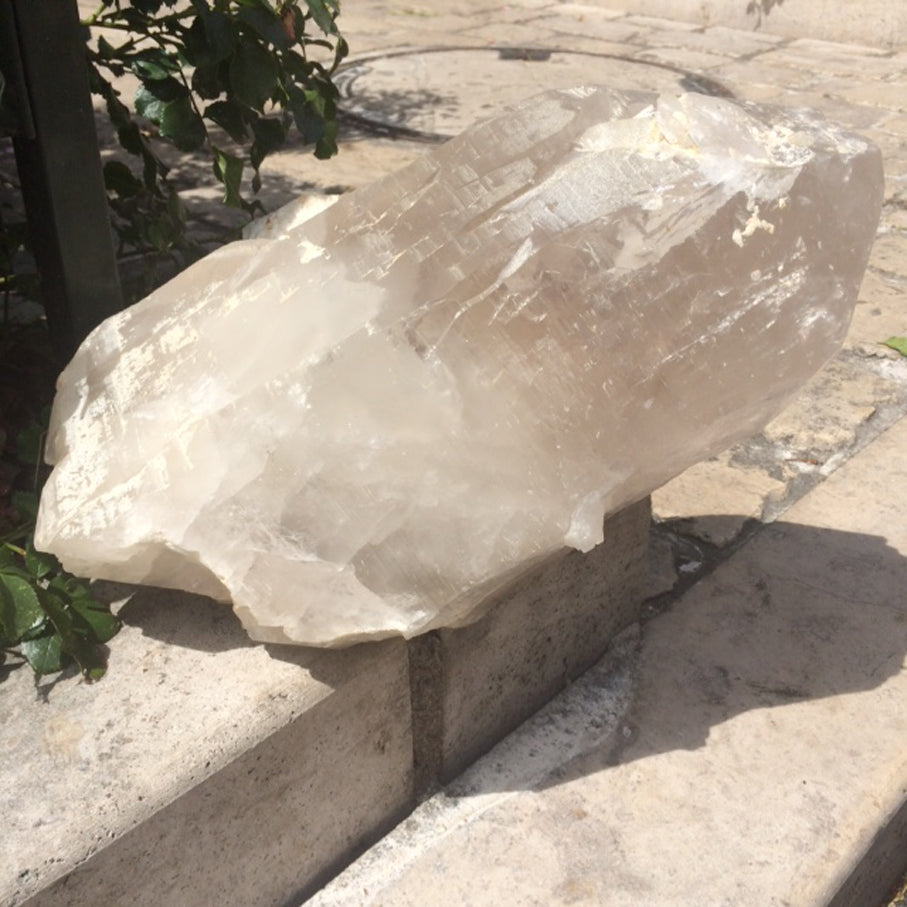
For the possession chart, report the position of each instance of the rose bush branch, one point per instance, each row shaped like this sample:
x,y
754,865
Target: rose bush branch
x,y
243,66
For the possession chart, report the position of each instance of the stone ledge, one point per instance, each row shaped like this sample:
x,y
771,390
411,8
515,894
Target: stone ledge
x,y
204,769
485,679
208,769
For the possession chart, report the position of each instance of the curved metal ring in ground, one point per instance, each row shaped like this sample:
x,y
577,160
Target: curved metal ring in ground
x,y
350,73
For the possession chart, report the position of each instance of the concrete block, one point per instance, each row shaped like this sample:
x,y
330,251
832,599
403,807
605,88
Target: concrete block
x,y
472,686
204,769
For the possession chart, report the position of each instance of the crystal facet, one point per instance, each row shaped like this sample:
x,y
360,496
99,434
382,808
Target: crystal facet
x,y
363,426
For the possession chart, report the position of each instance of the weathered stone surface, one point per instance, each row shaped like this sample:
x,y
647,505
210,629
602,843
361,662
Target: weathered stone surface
x,y
455,372
204,770
717,497
472,685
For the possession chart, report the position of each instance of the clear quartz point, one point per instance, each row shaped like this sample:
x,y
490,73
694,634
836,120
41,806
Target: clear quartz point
x,y
364,425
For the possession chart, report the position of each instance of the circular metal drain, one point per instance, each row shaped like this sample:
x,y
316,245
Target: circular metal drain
x,y
434,93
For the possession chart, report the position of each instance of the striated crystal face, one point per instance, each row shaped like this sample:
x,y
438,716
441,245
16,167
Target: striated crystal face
x,y
361,427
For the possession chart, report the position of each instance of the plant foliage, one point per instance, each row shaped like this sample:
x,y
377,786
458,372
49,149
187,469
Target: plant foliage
x,y
897,343
231,77
47,617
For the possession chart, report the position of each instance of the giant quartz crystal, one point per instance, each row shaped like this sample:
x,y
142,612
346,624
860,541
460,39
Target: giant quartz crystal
x,y
362,427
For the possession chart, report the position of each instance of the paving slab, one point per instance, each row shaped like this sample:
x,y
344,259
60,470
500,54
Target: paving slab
x,y
746,750
876,23
716,486
438,92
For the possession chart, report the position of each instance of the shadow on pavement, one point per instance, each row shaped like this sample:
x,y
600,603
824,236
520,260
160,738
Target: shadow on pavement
x,y
798,614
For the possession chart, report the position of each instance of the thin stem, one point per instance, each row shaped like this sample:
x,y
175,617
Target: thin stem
x,y
16,653
94,16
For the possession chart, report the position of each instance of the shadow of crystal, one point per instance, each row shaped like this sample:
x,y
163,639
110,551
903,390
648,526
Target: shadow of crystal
x,y
809,614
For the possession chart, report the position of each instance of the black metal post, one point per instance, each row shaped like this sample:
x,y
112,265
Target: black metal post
x,y
60,173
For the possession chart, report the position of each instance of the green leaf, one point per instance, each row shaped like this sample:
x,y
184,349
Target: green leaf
x,y
230,117
25,504
166,89
212,37
197,51
253,75
148,106
56,610
96,618
183,125
130,138
298,67
322,16
270,134
208,81
897,343
326,146
228,169
152,98
307,108
44,654
39,563
341,51
66,586
14,569
119,179
74,640
221,35
9,636
154,64
264,21
22,610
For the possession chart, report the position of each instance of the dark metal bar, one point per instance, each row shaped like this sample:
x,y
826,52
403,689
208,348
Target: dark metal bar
x,y
60,174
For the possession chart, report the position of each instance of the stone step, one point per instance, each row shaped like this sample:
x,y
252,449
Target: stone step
x,y
745,748
205,769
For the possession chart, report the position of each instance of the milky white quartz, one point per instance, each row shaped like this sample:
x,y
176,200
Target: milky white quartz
x,y
363,426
